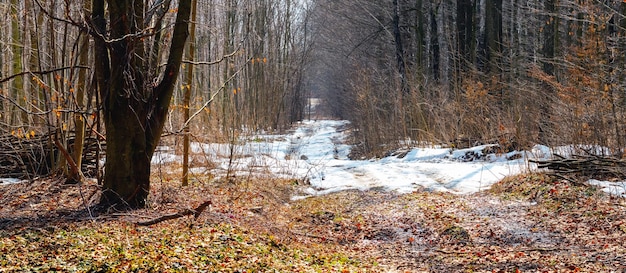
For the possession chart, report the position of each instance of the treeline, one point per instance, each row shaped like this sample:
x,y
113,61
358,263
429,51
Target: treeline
x,y
462,72
242,69
473,71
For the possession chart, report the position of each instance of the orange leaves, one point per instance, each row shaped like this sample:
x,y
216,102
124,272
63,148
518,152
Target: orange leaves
x,y
258,60
476,93
40,83
19,133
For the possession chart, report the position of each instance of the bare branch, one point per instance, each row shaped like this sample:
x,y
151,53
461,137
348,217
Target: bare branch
x,y
213,62
42,72
207,103
195,212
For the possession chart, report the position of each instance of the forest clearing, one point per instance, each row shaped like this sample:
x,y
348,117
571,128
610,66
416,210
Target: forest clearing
x,y
312,136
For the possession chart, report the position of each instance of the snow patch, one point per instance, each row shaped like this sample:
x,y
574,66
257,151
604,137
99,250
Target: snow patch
x,y
8,181
614,188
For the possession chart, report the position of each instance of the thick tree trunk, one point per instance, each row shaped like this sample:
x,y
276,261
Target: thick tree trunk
x,y
127,168
134,112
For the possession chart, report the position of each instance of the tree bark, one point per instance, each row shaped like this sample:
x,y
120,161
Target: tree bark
x,y
397,36
17,63
465,30
134,112
434,41
420,33
550,42
187,99
75,174
493,35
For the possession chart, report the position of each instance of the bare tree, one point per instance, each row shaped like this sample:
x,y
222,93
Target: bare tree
x,y
135,104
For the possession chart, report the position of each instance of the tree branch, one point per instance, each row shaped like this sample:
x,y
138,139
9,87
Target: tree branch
x,y
195,212
212,62
165,89
208,102
42,72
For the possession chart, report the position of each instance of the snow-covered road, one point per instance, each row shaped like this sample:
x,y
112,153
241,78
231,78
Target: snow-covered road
x,y
438,169
315,151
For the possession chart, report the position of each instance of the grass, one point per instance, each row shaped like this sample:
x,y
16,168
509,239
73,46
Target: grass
x,y
122,247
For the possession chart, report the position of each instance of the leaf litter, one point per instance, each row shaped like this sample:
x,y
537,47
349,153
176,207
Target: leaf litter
x,y
529,222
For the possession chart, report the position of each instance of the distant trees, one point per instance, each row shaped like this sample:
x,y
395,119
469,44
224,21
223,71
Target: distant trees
x,y
488,71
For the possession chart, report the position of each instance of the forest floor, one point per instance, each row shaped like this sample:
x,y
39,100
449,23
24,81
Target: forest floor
x,y
527,223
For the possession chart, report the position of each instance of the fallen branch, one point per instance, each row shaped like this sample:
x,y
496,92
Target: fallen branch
x,y
538,249
195,212
591,166
70,160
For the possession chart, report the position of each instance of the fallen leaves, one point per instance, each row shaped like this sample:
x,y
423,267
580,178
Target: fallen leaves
x,y
115,247
252,226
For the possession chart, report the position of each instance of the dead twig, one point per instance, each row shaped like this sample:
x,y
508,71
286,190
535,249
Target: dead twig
x,y
185,212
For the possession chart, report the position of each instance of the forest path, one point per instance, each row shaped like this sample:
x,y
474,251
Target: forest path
x,y
322,148
431,210
481,232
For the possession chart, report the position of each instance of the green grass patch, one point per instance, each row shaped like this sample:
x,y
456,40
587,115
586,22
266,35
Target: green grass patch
x,y
121,247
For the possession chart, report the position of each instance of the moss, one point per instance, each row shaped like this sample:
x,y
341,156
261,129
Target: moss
x,y
456,235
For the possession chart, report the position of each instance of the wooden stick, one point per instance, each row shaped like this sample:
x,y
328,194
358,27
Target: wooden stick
x,y
195,212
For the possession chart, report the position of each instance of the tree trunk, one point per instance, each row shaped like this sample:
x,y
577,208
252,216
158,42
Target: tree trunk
x,y
493,36
134,112
465,30
75,174
187,99
17,65
397,36
434,41
127,167
550,42
420,33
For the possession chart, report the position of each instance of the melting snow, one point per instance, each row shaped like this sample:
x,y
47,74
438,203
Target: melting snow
x,y
316,152
6,181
